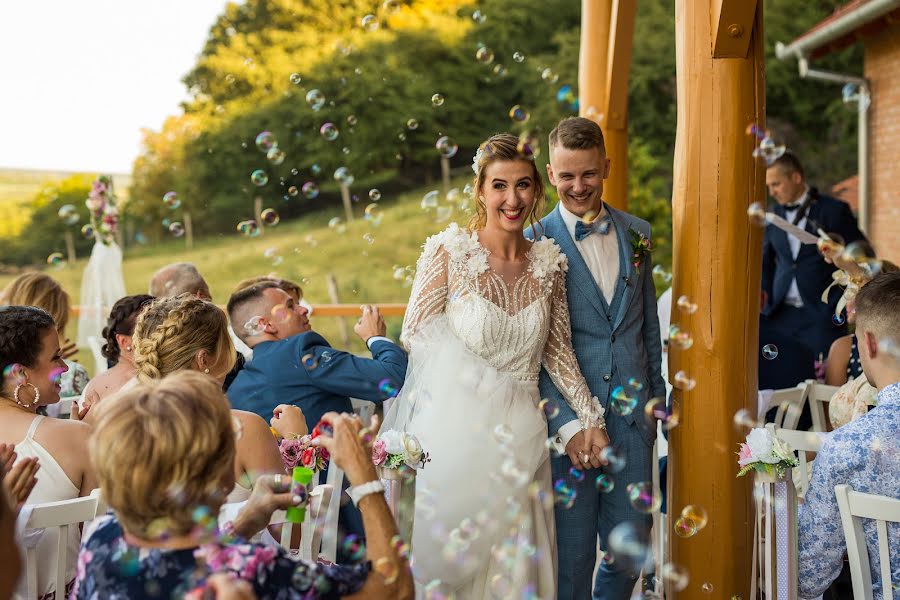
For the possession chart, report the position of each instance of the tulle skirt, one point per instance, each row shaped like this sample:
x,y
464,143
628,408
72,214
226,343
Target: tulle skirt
x,y
483,524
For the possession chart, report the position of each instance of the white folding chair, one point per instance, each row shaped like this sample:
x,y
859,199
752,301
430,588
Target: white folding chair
x,y
96,346
364,408
335,479
854,507
59,516
311,539
659,527
790,405
819,395
804,442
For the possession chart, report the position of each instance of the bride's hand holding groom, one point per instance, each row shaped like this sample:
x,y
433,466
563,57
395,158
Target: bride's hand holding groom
x,y
585,448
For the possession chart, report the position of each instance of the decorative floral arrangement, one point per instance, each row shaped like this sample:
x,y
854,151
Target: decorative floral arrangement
x,y
547,258
641,246
101,203
763,452
299,452
393,449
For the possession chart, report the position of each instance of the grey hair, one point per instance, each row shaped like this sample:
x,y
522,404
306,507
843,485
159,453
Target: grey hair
x,y
175,279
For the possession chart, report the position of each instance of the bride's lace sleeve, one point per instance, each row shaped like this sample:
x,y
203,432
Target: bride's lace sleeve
x,y
429,290
560,362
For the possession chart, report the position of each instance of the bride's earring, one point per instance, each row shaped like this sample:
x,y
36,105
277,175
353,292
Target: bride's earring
x,y
37,395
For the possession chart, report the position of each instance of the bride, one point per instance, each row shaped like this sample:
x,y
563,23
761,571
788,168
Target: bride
x,y
487,309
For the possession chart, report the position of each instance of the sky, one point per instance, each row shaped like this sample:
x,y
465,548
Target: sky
x,y
79,79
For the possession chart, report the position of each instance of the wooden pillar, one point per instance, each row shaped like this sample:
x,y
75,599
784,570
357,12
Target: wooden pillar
x,y
607,28
717,260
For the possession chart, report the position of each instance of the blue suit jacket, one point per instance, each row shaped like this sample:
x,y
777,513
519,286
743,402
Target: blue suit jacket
x,y
277,375
610,348
813,274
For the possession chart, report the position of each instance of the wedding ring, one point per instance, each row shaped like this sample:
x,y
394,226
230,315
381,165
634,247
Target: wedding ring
x,y
278,480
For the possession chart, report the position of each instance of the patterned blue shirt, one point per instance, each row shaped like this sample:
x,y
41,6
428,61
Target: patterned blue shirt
x,y
864,454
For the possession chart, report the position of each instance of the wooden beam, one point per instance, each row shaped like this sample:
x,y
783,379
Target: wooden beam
x,y
621,35
716,263
732,24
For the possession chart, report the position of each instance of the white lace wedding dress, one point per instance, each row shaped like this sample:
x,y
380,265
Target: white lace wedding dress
x,y
484,504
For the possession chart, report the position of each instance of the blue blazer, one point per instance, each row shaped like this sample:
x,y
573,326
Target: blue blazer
x,y
612,344
304,370
813,274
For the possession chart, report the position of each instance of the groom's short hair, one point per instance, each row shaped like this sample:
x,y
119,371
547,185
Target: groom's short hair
x,y
577,133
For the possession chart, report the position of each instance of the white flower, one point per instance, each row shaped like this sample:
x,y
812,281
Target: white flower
x,y
546,258
413,450
782,450
393,441
476,159
762,445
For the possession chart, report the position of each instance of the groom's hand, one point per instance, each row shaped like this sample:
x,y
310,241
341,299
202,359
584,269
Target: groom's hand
x,y
596,439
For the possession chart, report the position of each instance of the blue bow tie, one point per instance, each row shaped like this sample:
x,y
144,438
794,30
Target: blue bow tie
x,y
601,226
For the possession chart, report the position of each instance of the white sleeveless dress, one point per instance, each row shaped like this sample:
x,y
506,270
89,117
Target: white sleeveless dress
x,y
484,504
52,485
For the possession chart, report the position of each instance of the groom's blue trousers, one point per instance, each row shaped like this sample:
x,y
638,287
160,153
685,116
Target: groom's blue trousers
x,y
595,514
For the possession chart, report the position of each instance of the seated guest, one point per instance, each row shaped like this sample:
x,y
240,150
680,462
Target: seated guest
x,y
118,348
31,364
38,289
864,454
294,365
177,279
187,333
164,454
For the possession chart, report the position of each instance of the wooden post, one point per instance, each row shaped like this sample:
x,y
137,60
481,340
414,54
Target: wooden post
x,y
188,231
607,29
333,295
257,213
70,246
717,261
445,174
348,207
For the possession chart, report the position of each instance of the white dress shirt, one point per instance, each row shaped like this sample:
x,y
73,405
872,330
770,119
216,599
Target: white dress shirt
x,y
792,298
601,255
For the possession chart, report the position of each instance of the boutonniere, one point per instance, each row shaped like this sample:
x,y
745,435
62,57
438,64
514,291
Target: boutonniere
x,y
641,246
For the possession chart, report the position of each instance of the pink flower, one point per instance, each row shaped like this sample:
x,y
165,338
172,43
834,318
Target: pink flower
x,y
745,456
379,453
290,452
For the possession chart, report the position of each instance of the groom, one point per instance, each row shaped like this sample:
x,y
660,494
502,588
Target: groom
x,y
615,333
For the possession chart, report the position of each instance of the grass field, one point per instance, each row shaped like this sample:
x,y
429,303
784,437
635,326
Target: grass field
x,y
309,252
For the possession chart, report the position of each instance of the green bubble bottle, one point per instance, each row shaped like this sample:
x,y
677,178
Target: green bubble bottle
x,y
301,481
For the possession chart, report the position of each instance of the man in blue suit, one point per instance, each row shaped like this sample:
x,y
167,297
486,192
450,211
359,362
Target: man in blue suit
x,y
294,365
615,334
795,275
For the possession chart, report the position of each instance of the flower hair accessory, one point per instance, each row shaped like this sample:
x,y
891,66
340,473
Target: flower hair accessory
x,y
477,158
763,452
393,449
101,203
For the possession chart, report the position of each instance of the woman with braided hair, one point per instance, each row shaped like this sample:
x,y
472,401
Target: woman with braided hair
x,y
32,366
118,348
187,333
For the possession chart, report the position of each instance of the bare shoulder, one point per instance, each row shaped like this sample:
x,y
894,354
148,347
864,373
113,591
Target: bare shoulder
x,y
841,346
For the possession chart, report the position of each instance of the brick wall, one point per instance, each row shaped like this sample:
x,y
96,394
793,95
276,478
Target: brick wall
x,y
882,69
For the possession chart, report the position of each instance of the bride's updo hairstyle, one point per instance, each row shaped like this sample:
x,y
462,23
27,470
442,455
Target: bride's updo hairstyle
x,y
171,331
504,146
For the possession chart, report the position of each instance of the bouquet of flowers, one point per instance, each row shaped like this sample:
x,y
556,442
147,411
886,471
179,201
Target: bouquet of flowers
x,y
393,449
765,453
101,203
299,452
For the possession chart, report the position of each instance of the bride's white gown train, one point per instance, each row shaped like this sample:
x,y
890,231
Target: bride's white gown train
x,y
484,523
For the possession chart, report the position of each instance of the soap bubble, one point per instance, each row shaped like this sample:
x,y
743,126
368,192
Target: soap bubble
x,y
642,497
697,514
518,57
88,231
56,260
685,527
248,228
503,434
660,271
861,253
293,191
390,7
369,238
604,483
337,225
374,214
329,131
430,200
412,124
743,418
265,140
310,189
549,76
270,217
630,545
757,214
446,146
370,23
344,176
770,351
566,95
838,319
686,306
259,178
683,382
171,200
176,229
68,214
315,99
276,155
614,459
315,169
679,338
437,100
529,144
707,588
484,55
563,494
518,114
309,361
674,575
623,402
549,408
770,148
374,195
443,213
354,548
479,17
756,131
296,78
656,410
856,98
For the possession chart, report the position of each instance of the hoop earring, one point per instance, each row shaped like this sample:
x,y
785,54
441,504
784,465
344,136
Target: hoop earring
x,y
37,395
